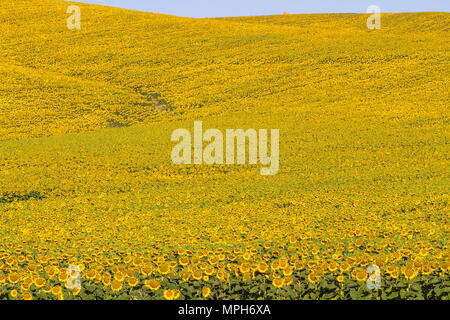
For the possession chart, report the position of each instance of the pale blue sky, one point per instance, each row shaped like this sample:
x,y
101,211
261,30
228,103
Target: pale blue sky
x,y
227,8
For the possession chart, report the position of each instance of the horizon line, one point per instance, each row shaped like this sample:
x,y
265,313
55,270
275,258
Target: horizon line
x,y
243,16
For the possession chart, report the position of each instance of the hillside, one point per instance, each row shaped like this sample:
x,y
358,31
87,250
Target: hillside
x,y
57,81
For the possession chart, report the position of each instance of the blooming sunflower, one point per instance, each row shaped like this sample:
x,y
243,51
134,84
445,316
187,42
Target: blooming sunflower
x,y
278,283
288,280
56,290
206,292
246,276
312,277
14,293
90,274
184,260
333,266
410,273
163,268
283,263
176,294
244,268
132,282
147,270
210,270
76,291
361,275
263,267
152,284
288,271
116,285
169,295
13,278
27,296
106,279
345,266
197,274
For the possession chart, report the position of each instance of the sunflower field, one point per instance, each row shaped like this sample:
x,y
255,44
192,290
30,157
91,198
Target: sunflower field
x,y
92,207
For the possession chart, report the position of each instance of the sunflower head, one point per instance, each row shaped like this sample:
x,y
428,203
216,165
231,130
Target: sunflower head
x,y
206,292
278,282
